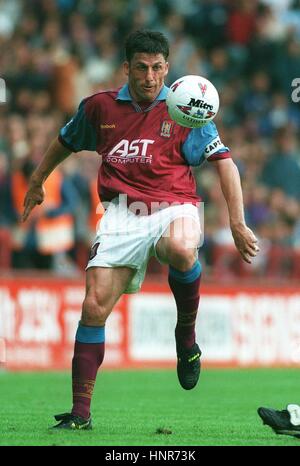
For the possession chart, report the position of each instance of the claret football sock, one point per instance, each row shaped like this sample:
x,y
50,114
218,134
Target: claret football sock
x,y
185,288
88,357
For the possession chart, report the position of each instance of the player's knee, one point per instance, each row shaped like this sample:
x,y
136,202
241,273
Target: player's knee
x,y
94,312
182,256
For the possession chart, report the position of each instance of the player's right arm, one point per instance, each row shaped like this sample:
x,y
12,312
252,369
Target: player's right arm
x,y
77,135
55,154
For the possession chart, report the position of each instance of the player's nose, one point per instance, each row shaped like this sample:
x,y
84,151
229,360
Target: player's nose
x,y
149,75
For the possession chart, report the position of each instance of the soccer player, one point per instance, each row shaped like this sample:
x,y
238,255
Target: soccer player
x,y
286,422
145,170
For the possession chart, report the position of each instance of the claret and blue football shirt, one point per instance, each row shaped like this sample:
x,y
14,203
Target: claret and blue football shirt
x,y
145,154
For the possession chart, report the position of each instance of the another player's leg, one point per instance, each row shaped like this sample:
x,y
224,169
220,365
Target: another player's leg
x,y
180,251
285,422
104,286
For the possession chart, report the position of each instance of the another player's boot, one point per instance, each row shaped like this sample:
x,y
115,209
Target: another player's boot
x,y
70,422
286,422
189,366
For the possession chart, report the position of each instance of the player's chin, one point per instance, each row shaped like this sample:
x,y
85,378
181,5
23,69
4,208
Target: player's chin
x,y
149,94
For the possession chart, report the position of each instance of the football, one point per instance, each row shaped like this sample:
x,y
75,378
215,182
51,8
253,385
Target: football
x,y
192,101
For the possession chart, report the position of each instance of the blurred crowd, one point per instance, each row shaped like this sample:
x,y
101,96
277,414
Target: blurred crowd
x,y
55,52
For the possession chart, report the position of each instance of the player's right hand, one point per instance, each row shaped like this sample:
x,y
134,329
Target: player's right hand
x,y
34,196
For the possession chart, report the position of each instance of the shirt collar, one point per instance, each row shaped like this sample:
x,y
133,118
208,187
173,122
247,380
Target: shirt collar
x,y
124,93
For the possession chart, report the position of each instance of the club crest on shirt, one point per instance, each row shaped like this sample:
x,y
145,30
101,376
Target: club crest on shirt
x,y
166,128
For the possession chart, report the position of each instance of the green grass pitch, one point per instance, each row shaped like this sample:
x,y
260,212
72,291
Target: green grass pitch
x,y
129,406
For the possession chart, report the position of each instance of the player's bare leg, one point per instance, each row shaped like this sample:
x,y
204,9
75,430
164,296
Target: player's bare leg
x,y
178,248
104,286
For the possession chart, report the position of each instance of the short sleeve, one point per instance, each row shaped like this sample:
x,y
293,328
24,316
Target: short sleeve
x,y
204,144
79,133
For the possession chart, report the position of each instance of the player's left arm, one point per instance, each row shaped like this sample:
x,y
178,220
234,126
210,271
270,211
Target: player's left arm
x,y
244,239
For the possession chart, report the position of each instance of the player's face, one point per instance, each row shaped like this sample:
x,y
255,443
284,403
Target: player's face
x,y
146,73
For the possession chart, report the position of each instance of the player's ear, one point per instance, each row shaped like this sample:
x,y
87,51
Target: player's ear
x,y
167,69
126,68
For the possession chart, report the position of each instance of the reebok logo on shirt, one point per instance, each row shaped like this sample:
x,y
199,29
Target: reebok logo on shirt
x,y
106,126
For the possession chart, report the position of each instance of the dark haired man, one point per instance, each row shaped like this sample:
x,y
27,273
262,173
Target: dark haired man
x,y
147,158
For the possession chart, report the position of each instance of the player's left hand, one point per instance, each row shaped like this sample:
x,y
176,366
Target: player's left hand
x,y
245,242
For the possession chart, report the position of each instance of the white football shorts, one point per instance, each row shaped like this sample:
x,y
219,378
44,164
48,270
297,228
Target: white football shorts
x,y
124,239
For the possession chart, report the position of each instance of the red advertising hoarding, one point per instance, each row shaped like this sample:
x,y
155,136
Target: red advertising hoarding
x,y
236,326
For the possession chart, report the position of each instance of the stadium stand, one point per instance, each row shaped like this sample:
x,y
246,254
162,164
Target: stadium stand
x,y
55,52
